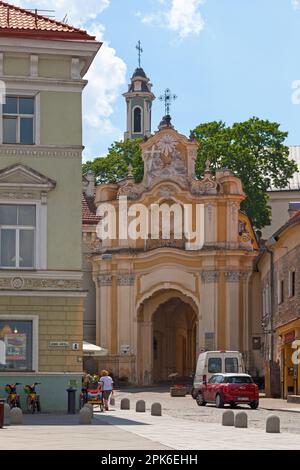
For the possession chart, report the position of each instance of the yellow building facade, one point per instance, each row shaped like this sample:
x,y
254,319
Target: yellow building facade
x,y
160,300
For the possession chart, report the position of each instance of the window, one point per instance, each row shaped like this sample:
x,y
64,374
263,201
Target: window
x,y
280,291
17,235
18,117
292,282
239,380
214,365
16,345
137,120
231,365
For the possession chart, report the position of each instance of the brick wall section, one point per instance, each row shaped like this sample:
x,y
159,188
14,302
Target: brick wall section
x,y
290,308
60,319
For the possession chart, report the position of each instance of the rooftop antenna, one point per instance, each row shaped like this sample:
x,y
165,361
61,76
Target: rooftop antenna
x,y
65,18
140,51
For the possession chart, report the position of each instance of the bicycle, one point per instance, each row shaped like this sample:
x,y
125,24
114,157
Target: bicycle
x,y
13,399
33,399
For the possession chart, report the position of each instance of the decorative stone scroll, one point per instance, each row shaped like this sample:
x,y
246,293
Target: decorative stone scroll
x,y
207,185
209,276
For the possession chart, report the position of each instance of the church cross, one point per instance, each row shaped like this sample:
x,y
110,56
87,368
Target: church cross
x,y
167,97
140,51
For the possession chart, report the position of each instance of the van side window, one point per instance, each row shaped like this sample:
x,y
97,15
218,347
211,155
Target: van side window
x,y
214,365
231,365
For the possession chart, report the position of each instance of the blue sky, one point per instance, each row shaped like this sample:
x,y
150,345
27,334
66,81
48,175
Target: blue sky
x,y
225,59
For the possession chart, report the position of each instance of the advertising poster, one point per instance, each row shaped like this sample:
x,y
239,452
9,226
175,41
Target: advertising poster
x,y
15,346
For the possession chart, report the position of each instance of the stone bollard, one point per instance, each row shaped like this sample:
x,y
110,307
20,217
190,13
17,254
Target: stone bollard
x,y
241,420
156,409
85,415
90,407
16,416
125,404
6,414
273,424
228,418
140,406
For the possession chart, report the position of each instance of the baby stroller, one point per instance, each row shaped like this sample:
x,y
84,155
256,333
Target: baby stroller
x,y
92,394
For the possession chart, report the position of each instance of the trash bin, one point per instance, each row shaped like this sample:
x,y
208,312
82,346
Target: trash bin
x,y
71,400
2,413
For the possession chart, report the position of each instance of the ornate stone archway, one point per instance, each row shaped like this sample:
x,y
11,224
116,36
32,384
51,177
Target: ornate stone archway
x,y
168,325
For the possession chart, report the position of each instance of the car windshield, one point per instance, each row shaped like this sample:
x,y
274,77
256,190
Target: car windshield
x,y
238,380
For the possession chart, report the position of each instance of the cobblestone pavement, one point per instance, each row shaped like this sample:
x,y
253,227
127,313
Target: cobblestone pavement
x,y
186,408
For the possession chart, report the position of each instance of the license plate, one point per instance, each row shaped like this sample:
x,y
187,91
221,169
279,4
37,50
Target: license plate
x,y
243,399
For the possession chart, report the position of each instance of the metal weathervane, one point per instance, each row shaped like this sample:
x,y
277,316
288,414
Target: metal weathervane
x,y
140,51
167,97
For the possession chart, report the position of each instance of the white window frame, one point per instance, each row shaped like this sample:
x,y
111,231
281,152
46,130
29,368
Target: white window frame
x,y
40,251
35,339
36,116
142,120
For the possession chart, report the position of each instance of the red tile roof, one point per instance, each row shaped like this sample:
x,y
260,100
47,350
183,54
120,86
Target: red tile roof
x,y
89,210
15,21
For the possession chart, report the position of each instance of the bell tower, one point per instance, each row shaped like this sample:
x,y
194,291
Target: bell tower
x,y
139,98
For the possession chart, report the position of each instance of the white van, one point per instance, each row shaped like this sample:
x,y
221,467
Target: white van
x,y
213,362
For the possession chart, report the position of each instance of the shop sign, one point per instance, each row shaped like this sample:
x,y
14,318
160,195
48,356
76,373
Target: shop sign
x,y
58,344
289,337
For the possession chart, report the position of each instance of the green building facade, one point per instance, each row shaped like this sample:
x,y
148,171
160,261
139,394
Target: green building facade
x,y
42,68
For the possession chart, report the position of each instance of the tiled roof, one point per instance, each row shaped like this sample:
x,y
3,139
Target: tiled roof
x,y
15,21
89,210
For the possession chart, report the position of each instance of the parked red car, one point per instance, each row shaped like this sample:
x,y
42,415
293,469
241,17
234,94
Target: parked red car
x,y
231,389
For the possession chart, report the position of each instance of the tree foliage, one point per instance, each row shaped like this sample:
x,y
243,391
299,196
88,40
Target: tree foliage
x,y
115,165
254,150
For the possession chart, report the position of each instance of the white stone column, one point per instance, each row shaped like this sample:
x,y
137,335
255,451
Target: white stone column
x,y
232,225
232,279
210,223
104,285
209,303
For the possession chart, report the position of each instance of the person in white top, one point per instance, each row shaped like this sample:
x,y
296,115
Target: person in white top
x,y
106,383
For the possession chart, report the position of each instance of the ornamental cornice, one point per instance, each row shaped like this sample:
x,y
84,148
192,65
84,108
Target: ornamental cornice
x,y
40,151
27,283
234,276
104,279
209,276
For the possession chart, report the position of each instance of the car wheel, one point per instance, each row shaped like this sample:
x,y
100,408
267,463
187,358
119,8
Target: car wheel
x,y
254,405
200,400
219,401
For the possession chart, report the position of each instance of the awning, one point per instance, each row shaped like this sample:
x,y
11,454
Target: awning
x,y
90,349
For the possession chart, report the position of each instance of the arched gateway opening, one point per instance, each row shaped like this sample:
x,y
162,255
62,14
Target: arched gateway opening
x,y
167,337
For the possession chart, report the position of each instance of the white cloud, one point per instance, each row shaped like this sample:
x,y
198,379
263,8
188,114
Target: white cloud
x,y
295,4
72,8
180,16
106,76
